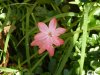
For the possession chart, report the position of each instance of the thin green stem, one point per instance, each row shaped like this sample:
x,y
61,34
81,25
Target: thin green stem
x,y
29,58
64,58
34,18
13,4
6,18
27,37
55,7
62,15
8,35
34,29
8,70
40,60
5,47
6,43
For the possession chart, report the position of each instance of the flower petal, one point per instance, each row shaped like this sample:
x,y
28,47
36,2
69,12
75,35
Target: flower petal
x,y
48,41
33,43
60,31
42,27
47,44
37,43
57,41
50,49
41,50
52,24
40,36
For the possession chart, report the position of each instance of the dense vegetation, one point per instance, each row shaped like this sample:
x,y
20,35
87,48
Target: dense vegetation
x,y
80,53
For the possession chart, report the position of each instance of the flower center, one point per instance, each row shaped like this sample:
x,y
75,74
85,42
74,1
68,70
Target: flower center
x,y
50,34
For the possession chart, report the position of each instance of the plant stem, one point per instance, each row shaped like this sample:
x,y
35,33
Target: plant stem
x,y
5,46
27,37
40,60
64,58
84,38
29,58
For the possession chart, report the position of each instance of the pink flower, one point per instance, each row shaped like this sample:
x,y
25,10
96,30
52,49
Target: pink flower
x,y
48,36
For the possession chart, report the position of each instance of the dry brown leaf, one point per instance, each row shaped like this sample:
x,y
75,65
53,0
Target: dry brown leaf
x,y
7,28
3,64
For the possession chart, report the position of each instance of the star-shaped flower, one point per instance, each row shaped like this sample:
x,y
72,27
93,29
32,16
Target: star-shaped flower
x,y
48,37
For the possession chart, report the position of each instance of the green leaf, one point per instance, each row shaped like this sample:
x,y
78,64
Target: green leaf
x,y
40,11
46,73
65,8
94,64
97,70
44,1
2,16
52,65
65,72
58,2
8,69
